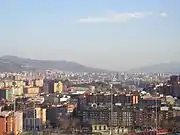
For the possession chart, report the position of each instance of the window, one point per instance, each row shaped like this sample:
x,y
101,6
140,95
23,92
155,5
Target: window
x,y
31,122
27,122
99,127
104,127
95,127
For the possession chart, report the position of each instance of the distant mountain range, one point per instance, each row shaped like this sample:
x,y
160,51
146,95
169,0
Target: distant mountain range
x,y
172,67
16,64
10,63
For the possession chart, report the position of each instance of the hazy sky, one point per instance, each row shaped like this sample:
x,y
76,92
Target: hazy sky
x,y
112,34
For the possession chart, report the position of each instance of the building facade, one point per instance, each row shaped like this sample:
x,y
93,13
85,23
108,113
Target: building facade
x,y
35,118
8,123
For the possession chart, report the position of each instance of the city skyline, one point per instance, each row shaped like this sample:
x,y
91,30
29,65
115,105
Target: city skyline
x,y
118,35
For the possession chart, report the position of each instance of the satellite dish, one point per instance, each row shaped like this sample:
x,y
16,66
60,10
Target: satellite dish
x,y
94,105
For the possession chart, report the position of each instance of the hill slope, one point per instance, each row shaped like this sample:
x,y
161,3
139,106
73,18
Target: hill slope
x,y
16,64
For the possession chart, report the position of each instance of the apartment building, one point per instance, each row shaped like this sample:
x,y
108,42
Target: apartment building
x,y
105,98
35,116
8,123
102,115
38,82
19,116
52,86
105,130
31,90
18,91
6,93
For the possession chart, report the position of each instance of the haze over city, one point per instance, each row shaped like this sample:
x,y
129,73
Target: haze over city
x,y
116,34
89,67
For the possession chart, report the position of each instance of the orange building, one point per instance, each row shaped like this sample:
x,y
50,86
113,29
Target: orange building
x,y
8,123
3,125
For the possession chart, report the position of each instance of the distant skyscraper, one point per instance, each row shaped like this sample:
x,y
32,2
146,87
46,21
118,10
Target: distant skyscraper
x,y
117,76
174,79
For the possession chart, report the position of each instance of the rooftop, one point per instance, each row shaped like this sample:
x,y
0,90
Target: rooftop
x,y
5,113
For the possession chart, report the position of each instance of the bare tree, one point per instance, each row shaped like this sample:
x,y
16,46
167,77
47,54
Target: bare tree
x,y
64,123
75,123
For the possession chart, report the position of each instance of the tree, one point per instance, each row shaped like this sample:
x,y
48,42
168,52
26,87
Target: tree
x,y
64,123
169,124
75,123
